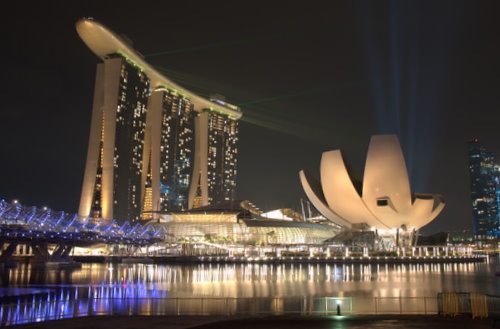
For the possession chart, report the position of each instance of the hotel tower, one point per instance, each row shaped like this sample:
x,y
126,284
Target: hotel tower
x,y
153,146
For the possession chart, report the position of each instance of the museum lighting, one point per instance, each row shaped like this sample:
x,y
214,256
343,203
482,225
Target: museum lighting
x,y
382,202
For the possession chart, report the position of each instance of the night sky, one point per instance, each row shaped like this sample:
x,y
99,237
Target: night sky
x,y
309,77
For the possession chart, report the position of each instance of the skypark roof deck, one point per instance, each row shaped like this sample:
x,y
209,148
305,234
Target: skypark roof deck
x,y
103,42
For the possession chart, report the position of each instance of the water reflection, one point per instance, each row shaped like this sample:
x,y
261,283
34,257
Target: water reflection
x,y
32,294
268,280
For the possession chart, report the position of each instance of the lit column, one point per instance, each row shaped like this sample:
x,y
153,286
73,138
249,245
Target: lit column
x,y
152,146
200,167
112,68
93,148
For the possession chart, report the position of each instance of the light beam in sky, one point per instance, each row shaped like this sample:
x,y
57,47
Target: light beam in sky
x,y
270,117
394,78
222,44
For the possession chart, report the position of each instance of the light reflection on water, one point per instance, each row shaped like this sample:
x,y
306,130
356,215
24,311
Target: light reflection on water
x,y
32,294
270,280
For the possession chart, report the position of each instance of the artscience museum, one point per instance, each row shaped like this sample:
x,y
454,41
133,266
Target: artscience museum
x,y
381,203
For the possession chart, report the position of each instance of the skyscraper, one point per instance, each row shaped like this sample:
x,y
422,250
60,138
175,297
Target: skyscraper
x,y
171,134
217,139
484,188
112,181
153,146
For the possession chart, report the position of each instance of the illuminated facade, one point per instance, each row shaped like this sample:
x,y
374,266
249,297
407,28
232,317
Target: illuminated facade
x,y
153,146
112,181
216,151
237,225
382,202
170,148
484,182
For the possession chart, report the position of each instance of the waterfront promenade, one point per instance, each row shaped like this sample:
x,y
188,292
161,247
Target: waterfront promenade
x,y
281,260
263,322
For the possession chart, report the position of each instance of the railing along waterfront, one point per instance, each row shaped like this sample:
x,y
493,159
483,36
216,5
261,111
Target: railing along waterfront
x,y
53,306
49,305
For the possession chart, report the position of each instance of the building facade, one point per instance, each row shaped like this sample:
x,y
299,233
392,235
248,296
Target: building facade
x,y
153,146
169,154
112,180
484,185
382,201
234,223
215,166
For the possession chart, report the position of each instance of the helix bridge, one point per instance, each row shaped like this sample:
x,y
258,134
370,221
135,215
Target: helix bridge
x,y
40,227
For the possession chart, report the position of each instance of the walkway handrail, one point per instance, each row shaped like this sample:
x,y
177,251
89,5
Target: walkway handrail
x,y
52,304
50,307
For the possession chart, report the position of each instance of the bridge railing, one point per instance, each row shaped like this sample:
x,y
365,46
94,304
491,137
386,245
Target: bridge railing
x,y
16,218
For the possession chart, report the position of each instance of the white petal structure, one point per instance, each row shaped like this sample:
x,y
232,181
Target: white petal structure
x,y
383,202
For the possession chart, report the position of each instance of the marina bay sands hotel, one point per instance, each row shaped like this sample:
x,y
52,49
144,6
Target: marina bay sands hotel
x,y
154,146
